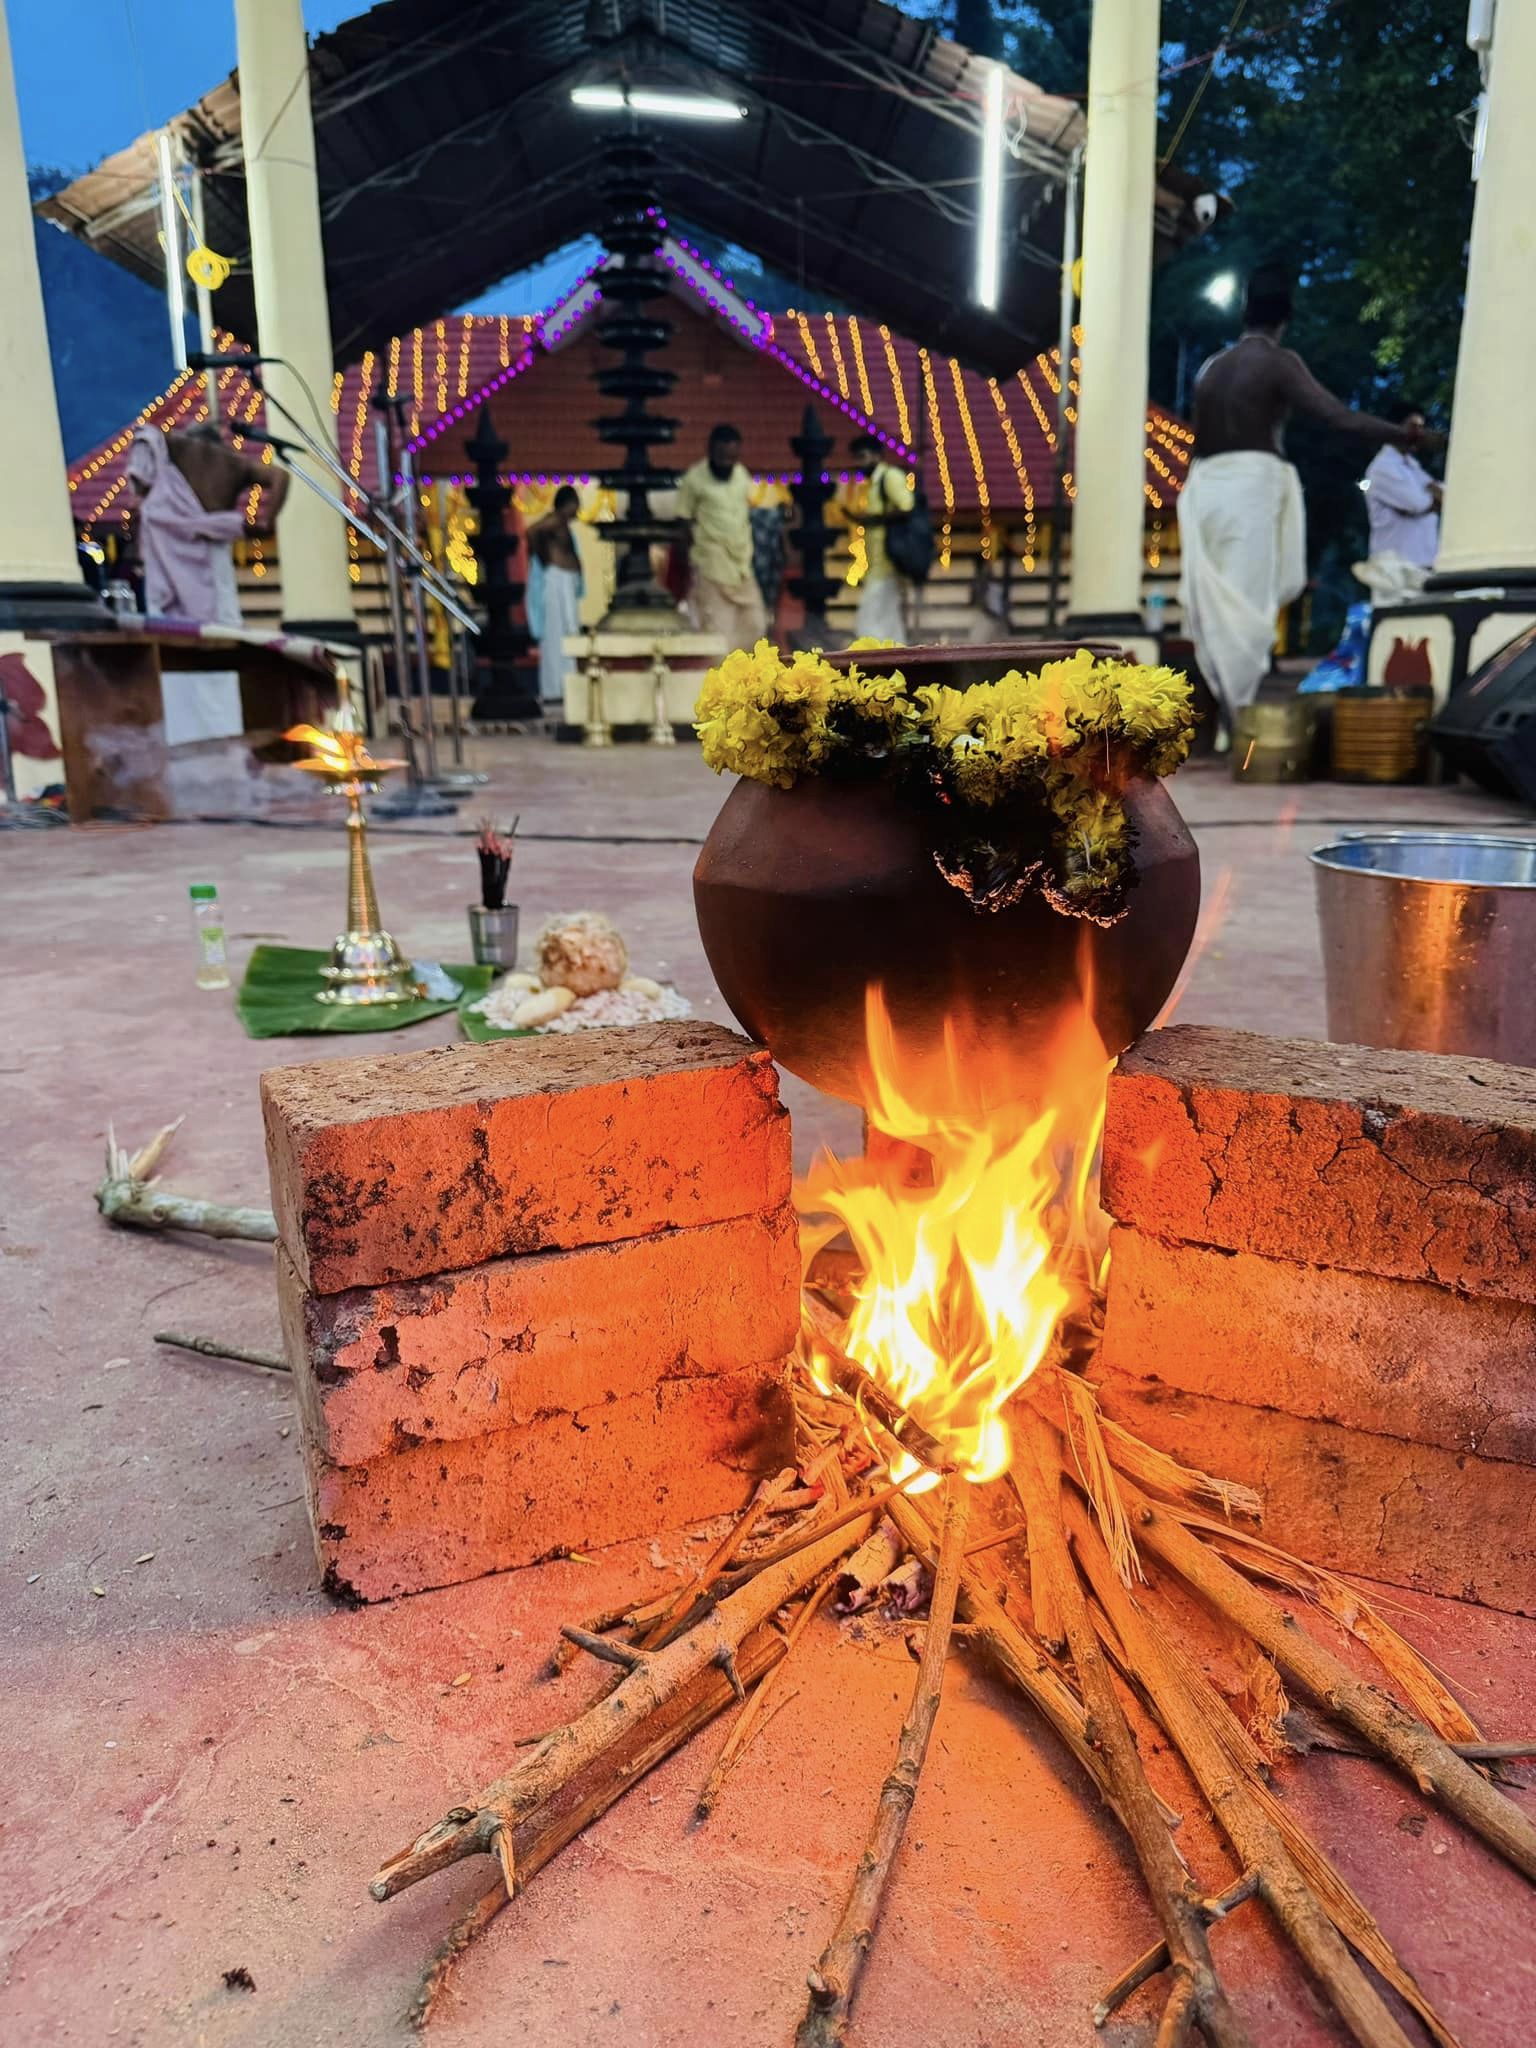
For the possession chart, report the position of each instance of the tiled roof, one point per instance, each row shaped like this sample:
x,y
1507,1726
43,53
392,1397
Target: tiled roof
x,y
987,444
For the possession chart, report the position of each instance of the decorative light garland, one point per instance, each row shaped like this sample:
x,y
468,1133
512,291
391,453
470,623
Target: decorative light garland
x,y
898,387
837,355
1021,470
416,384
968,428
937,430
857,341
807,341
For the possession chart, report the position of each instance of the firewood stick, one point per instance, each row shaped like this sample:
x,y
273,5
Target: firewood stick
x,y
711,1568
851,1379
1015,1657
546,1773
588,1798
1155,1959
835,1979
216,1347
752,1719
1253,1835
467,1928
1418,1752
1197,1997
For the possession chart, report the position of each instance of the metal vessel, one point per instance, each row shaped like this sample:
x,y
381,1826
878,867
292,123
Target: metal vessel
x,y
1428,941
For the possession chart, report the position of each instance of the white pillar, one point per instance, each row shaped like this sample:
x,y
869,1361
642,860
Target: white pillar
x,y
1118,193
40,576
1489,520
288,271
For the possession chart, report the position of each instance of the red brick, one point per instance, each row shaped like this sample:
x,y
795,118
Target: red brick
x,y
1416,1166
509,1342
438,1514
1411,1514
394,1166
1389,1356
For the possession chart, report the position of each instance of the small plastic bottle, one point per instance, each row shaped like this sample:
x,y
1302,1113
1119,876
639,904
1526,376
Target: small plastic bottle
x,y
212,960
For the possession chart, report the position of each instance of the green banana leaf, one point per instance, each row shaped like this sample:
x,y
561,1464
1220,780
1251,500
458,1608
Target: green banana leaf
x,y
277,998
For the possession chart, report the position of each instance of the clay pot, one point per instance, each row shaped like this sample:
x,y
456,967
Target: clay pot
x,y
805,896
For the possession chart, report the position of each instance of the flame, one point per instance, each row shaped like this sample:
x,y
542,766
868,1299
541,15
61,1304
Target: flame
x,y
977,1228
336,753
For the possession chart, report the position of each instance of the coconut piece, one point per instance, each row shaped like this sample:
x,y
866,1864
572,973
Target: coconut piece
x,y
582,952
641,985
542,1008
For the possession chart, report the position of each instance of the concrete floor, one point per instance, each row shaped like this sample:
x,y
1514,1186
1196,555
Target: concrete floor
x,y
205,1761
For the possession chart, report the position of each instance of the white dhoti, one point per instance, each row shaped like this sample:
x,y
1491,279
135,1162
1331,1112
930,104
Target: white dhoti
x,y
1243,558
561,619
880,615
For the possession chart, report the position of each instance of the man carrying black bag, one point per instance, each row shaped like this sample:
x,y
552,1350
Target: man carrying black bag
x,y
898,544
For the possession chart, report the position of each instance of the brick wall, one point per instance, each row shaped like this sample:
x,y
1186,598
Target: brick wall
x,y
1323,1283
536,1294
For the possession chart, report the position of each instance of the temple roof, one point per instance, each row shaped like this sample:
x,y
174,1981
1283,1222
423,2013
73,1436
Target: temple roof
x,y
450,155
979,442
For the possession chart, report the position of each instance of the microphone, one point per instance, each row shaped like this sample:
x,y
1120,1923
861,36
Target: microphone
x,y
201,359
265,440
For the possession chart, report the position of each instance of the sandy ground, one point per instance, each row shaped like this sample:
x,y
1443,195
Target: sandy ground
x,y
204,1760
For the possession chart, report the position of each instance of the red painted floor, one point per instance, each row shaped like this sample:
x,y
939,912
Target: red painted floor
x,y
205,1762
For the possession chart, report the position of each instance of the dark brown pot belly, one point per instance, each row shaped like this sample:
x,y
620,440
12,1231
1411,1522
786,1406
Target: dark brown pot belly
x,y
805,896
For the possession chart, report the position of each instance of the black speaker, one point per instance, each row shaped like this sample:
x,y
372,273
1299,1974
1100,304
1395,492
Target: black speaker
x,y
1487,729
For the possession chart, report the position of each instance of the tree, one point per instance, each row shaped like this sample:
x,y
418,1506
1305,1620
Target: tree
x,y
1336,130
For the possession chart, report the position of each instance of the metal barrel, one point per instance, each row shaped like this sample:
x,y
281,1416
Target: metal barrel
x,y
1429,941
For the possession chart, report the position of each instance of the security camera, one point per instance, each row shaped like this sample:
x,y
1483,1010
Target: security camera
x,y
1206,208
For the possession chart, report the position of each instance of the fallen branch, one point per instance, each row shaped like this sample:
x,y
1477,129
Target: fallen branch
x,y
601,1752
1411,1744
1197,1997
216,1347
1161,1674
835,1979
752,1718
129,1192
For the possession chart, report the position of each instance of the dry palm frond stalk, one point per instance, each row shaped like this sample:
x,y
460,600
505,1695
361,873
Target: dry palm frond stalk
x,y
130,1192
1107,1523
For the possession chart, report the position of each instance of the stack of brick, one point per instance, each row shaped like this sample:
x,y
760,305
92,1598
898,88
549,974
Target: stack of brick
x,y
536,1295
1323,1282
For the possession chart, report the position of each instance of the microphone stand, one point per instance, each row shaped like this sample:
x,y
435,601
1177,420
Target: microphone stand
x,y
422,795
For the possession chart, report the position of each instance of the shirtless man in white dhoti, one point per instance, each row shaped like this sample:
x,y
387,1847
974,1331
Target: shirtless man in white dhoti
x,y
1242,525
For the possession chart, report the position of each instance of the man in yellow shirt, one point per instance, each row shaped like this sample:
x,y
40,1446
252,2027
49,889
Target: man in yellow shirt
x,y
714,498
888,495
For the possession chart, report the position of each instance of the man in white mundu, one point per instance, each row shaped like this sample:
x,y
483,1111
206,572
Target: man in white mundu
x,y
1242,524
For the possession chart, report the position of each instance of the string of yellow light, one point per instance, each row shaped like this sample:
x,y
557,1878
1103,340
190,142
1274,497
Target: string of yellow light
x,y
936,429
898,389
1021,471
857,342
836,347
973,445
808,341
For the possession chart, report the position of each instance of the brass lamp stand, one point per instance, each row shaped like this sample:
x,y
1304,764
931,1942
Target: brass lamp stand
x,y
366,965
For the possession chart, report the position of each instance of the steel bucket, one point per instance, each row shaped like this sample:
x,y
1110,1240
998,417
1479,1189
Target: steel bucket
x,y
1429,942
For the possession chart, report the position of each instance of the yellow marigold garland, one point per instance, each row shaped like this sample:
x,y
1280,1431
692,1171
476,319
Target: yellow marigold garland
x,y
1065,735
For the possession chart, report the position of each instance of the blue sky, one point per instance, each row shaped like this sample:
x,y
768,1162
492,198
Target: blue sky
x,y
93,74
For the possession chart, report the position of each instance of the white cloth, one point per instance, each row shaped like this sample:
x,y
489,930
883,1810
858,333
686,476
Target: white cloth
x,y
880,615
1400,504
561,618
189,573
1243,558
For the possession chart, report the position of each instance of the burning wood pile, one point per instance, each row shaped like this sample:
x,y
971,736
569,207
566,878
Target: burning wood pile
x,y
950,1436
